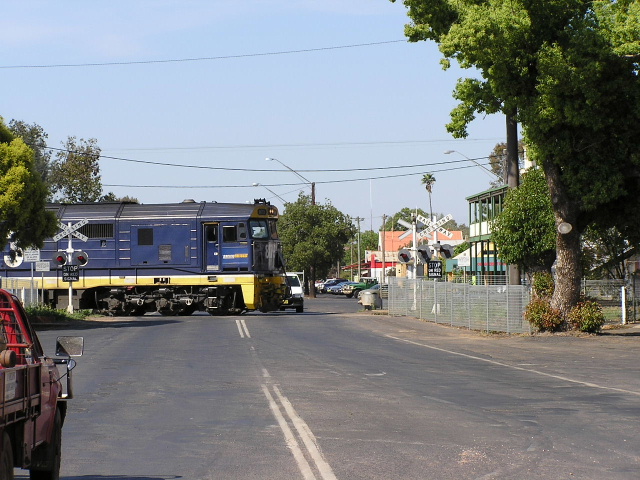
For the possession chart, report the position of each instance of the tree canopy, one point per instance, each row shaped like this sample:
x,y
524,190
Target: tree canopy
x,y
22,195
34,136
75,172
313,236
568,71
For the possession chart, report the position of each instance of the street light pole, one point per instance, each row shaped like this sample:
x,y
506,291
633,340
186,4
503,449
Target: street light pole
x,y
305,180
255,184
487,171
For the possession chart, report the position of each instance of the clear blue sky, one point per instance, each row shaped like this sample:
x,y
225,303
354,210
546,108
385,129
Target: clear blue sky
x,y
322,111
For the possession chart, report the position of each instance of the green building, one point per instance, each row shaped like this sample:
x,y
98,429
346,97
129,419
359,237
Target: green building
x,y
486,266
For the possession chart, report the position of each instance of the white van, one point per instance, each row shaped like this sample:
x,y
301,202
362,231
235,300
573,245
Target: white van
x,y
295,295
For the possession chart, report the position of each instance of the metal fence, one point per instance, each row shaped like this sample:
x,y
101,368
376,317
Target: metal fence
x,y
490,308
618,298
26,289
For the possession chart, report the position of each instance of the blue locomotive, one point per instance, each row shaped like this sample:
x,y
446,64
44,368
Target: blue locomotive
x,y
174,258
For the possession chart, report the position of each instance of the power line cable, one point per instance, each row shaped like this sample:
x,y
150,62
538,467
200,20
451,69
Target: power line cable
x,y
298,145
233,169
200,59
287,184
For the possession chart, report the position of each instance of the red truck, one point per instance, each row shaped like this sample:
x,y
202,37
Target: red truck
x,y
32,394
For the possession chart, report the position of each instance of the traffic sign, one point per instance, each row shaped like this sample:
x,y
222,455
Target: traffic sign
x,y
434,269
436,226
70,273
71,230
31,254
464,261
43,266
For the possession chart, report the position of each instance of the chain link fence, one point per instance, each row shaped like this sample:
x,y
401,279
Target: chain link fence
x,y
490,308
617,297
491,305
26,289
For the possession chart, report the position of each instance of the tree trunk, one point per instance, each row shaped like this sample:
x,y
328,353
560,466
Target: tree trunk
x,y
568,250
312,281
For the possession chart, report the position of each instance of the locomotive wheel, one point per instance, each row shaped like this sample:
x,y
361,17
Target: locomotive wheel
x,y
139,311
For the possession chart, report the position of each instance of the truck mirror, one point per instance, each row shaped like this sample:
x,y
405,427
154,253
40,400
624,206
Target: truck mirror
x,y
69,346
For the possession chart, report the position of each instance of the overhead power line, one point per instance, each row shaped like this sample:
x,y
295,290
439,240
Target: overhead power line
x,y
234,169
299,145
290,184
200,59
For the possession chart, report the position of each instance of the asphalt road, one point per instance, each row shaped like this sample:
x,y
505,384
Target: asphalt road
x,y
335,393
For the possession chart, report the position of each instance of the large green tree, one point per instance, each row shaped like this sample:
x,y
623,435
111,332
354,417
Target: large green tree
x,y
567,71
75,172
22,194
313,236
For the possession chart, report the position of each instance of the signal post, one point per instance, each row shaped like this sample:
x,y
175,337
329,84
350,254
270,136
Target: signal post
x,y
71,259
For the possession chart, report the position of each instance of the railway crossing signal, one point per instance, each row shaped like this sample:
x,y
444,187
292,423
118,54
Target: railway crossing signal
x,y
60,257
81,258
404,256
71,272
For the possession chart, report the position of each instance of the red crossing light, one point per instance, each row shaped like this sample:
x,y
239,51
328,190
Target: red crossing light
x,y
60,258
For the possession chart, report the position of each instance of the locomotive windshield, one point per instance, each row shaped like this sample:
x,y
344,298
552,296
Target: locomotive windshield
x,y
259,229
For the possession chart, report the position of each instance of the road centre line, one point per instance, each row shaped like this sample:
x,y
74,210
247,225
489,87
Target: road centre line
x,y
242,328
515,367
290,416
307,436
290,438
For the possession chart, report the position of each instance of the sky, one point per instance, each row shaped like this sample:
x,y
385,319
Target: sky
x,y
188,99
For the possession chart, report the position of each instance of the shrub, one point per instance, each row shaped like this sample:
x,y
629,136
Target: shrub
x,y
54,314
587,317
543,284
543,317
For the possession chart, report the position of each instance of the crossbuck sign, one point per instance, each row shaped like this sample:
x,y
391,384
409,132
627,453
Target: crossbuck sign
x,y
71,230
435,226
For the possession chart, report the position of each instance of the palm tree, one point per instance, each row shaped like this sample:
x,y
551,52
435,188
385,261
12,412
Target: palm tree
x,y
428,180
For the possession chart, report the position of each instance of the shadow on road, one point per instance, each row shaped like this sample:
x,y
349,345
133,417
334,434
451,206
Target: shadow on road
x,y
91,324
110,477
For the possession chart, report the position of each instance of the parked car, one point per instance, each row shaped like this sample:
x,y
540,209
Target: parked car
x,y
354,289
336,289
329,283
295,295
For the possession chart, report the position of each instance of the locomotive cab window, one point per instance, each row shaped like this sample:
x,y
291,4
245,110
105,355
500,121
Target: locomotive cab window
x,y
258,229
229,233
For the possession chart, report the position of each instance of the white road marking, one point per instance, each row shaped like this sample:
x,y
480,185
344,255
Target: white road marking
x,y
242,328
515,367
290,438
307,437
311,449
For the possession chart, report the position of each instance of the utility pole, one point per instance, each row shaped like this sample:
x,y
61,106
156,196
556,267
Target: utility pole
x,y
384,254
512,178
358,219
